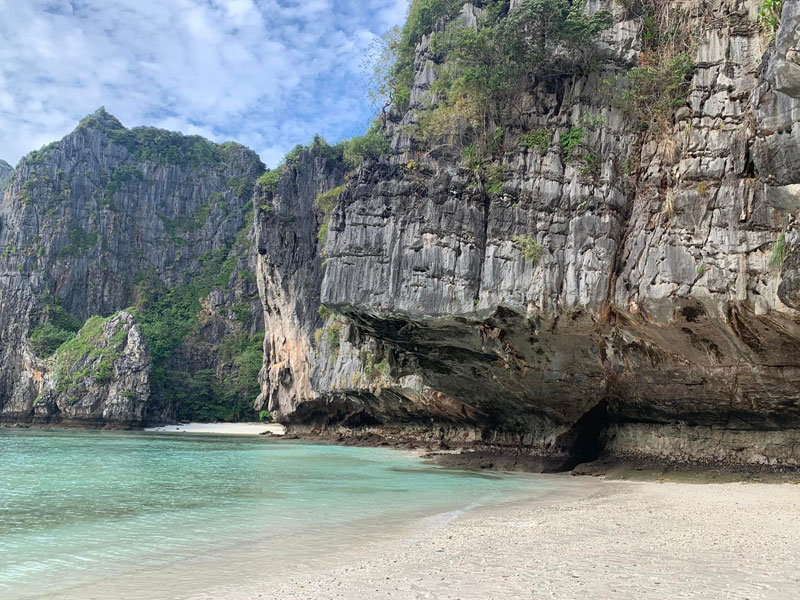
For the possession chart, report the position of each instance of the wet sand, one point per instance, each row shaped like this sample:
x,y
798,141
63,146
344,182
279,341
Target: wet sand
x,y
223,428
591,538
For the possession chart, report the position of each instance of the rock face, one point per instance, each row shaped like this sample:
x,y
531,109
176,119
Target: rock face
x,y
6,171
611,285
110,218
660,319
785,68
101,376
289,273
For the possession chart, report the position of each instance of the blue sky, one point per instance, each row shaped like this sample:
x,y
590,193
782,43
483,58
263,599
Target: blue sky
x,y
266,73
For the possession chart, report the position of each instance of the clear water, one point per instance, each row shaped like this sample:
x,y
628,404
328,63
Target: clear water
x,y
150,515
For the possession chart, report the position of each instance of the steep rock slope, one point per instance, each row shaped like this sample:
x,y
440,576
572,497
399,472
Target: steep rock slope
x,y
109,384
289,271
110,218
615,287
6,171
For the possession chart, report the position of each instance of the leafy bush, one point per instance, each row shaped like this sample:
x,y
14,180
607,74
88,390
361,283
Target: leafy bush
x,y
326,201
571,141
46,339
79,241
422,16
38,156
317,337
660,83
293,157
333,334
85,345
471,159
57,326
240,186
531,249
242,312
538,140
373,370
769,15
119,176
167,314
371,145
657,86
167,147
197,396
264,416
322,234
269,180
325,312
247,361
494,180
206,395
591,165
482,69
104,371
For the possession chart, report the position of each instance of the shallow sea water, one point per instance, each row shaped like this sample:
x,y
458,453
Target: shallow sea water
x,y
93,514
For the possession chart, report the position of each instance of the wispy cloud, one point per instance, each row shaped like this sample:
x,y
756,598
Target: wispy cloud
x,y
267,73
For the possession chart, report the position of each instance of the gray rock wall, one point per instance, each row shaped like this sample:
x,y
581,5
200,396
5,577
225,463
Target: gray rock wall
x,y
6,171
656,303
107,214
289,274
106,382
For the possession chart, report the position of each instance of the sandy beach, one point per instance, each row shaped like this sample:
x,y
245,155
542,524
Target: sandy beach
x,y
591,538
223,428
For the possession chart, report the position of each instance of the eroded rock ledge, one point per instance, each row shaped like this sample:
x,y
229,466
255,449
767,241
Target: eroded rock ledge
x,y
657,322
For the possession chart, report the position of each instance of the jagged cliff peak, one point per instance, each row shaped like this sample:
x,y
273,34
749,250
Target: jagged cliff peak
x,y
100,119
108,218
143,144
6,171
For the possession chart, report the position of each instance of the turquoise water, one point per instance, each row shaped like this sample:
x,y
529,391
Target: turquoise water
x,y
159,513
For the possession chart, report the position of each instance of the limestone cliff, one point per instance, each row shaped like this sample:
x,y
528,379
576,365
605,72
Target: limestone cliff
x,y
110,218
6,171
102,375
616,285
607,263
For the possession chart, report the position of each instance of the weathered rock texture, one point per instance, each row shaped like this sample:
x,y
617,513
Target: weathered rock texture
x,y
111,384
289,273
655,316
109,218
6,171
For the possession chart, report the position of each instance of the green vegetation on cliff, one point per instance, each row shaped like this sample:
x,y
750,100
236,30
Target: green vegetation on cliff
x,y
326,202
660,83
88,346
203,396
480,67
158,145
769,15
169,315
269,180
56,327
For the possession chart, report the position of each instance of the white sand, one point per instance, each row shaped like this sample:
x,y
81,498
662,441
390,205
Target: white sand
x,y
224,428
593,539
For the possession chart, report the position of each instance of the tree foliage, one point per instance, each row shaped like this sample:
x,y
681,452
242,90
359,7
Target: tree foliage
x,y
660,82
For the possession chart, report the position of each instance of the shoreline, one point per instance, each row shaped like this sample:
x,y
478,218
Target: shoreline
x,y
591,538
477,456
271,429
